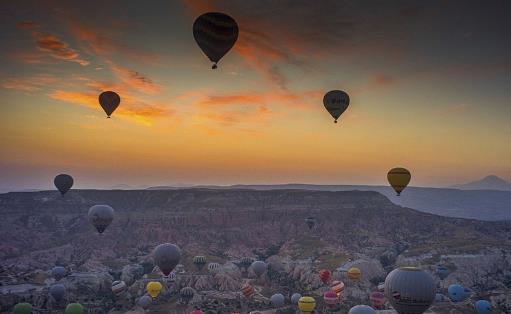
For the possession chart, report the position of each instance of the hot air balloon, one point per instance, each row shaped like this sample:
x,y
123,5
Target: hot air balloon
x,y
381,287
63,183
483,307
277,300
145,302
172,276
354,273
58,272
306,304
215,33
330,298
399,179
22,308
246,262
325,275
310,221
247,290
457,293
58,292
337,287
166,257
186,294
109,101
362,309
410,290
295,297
199,261
154,288
442,272
74,308
258,267
377,299
119,287
197,311
101,216
213,267
336,102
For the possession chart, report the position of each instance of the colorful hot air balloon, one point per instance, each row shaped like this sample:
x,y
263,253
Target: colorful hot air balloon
x,y
306,305
58,272
119,287
377,299
310,221
457,293
337,286
213,267
336,102
101,216
247,290
258,267
63,183
58,292
277,300
109,101
215,33
166,257
325,275
362,309
74,308
295,297
442,272
154,288
145,302
330,298
197,311
186,294
199,261
399,179
410,290
483,307
22,308
354,273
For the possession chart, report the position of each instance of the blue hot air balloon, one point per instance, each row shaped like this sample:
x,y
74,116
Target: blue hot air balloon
x,y
457,293
483,307
442,272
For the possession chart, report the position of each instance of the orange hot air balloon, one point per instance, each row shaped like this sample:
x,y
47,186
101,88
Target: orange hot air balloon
x,y
338,287
325,275
247,290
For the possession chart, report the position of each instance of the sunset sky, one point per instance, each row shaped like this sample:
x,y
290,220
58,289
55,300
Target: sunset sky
x,y
429,81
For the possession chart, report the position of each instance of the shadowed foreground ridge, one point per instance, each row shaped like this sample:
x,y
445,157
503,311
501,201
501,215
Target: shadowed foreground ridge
x,y
41,229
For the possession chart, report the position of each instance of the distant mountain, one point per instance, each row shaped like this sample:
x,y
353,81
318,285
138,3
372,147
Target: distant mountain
x,y
488,183
490,205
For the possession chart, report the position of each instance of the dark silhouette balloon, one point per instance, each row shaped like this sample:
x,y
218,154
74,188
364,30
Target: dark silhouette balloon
x,y
336,102
145,301
101,216
58,272
109,101
399,179
310,221
63,183
58,292
166,257
215,33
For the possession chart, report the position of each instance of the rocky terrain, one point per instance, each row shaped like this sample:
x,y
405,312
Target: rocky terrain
x,y
354,228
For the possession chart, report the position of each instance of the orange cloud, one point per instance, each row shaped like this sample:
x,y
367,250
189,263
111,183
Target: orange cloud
x,y
29,84
134,79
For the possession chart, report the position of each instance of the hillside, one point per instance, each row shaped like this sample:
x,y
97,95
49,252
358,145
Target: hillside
x,y
40,229
487,183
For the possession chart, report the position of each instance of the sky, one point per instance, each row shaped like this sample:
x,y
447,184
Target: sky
x,y
428,81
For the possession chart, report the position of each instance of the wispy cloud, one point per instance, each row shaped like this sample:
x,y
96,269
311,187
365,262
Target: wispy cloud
x,y
29,84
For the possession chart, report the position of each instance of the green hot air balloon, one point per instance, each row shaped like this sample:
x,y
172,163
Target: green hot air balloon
x,y
215,33
22,308
336,102
74,308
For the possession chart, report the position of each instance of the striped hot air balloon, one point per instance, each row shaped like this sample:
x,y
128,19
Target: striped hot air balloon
x,y
213,267
247,290
215,33
377,299
306,304
354,273
330,298
337,287
119,287
186,294
199,261
325,275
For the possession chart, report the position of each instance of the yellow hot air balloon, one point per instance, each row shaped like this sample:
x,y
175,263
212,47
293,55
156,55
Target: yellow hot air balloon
x,y
354,273
154,288
306,304
399,179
